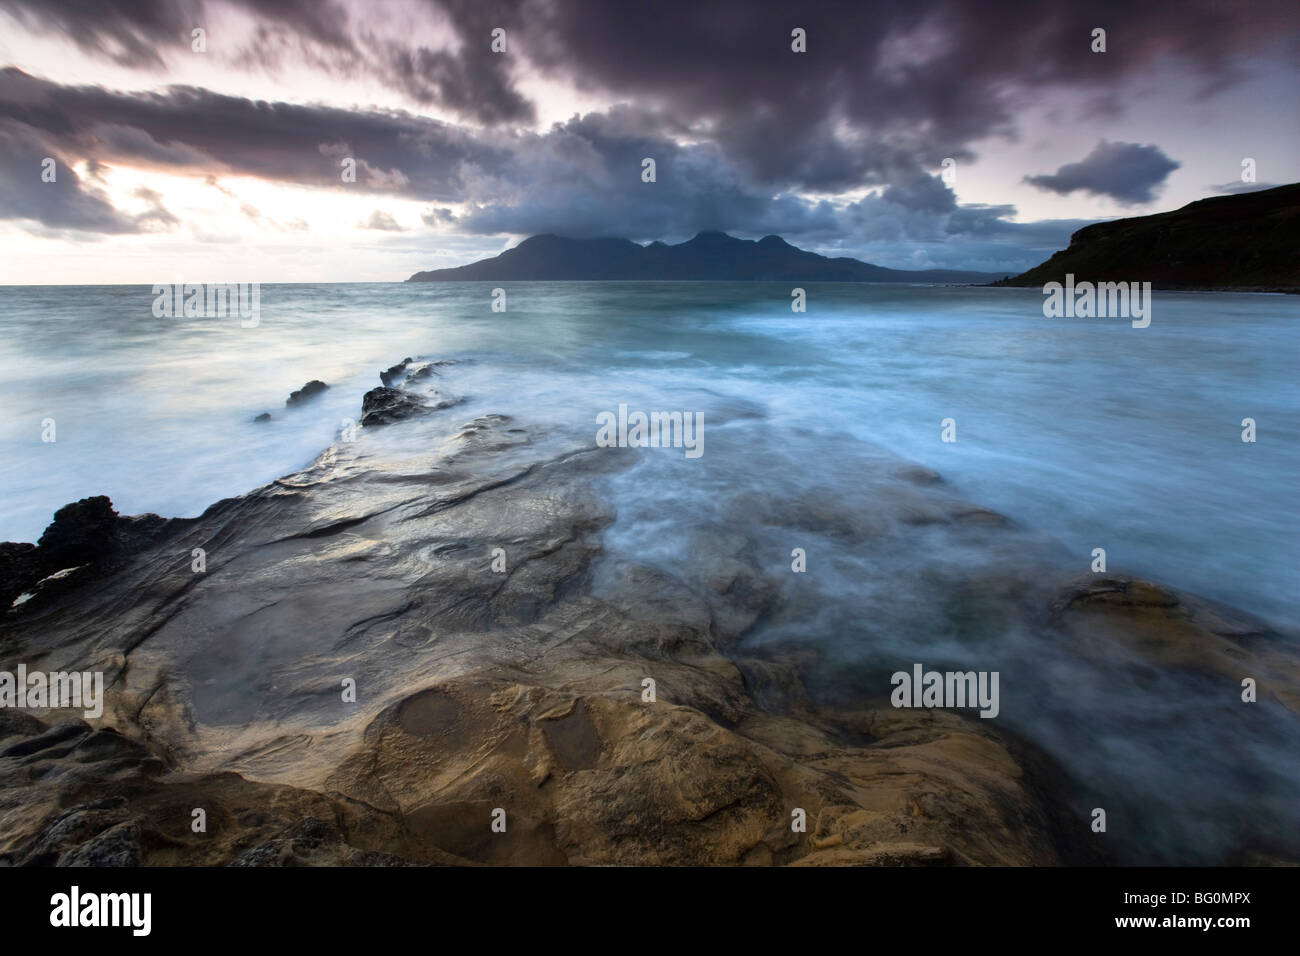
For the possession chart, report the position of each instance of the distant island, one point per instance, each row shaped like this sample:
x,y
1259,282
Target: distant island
x,y
1248,242
709,256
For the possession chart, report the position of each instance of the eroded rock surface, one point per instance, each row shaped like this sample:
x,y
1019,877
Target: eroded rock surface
x,y
386,648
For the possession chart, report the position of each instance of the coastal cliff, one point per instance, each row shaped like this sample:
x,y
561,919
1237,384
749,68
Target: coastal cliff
x,y
1246,242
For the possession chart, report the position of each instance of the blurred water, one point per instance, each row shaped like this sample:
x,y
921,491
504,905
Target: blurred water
x,y
1088,430
1088,433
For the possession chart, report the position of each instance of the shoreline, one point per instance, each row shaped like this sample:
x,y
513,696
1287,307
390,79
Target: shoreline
x,y
476,687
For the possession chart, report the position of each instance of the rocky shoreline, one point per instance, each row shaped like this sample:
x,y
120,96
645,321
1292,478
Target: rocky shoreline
x,y
454,591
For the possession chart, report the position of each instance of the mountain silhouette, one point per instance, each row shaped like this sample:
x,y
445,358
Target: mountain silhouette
x,y
708,256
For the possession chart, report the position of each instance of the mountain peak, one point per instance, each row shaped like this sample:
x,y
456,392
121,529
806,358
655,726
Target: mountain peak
x,y
711,255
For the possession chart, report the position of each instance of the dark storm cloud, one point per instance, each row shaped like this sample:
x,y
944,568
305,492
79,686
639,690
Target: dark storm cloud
x,y
472,81
66,204
333,36
187,129
921,192
140,32
748,135
582,177
579,178
1126,172
128,32
884,88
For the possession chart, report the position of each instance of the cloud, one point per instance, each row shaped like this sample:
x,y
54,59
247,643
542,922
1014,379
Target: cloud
x,y
191,130
157,217
130,34
437,216
883,89
1238,186
336,37
139,33
579,178
67,205
382,221
835,146
1126,172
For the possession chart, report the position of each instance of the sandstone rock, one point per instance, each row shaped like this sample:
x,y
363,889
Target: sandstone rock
x,y
1181,632
524,688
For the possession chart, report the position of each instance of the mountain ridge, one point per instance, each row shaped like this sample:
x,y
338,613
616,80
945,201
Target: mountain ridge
x,y
708,256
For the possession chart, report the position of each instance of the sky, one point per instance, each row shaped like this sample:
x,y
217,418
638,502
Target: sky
x,y
211,140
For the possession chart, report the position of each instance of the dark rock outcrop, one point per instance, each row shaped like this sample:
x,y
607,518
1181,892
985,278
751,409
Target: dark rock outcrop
x,y
20,567
394,374
384,406
307,392
86,538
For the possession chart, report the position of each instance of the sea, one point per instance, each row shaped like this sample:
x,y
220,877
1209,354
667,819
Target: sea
x,y
1086,433
1092,431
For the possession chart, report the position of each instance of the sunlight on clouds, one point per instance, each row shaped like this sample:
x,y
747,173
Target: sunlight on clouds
x,y
304,232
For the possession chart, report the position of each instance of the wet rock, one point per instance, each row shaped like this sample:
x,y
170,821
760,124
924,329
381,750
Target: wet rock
x,y
20,567
307,392
919,475
108,745
55,812
412,370
384,406
1111,591
1181,632
264,417
394,374
519,689
81,533
85,540
117,846
522,684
